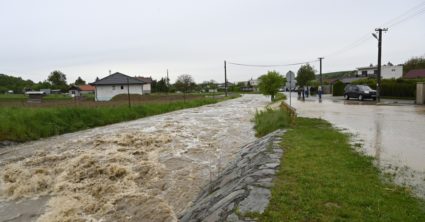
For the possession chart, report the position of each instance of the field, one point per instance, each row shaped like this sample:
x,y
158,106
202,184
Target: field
x,y
20,100
23,122
323,178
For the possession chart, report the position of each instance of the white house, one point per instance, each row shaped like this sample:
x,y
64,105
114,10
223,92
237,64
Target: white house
x,y
147,84
116,84
387,71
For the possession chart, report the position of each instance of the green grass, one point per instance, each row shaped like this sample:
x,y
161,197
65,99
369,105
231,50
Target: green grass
x,y
24,124
279,97
322,178
23,97
270,120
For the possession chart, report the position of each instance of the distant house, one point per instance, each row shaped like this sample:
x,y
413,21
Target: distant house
x,y
147,84
222,86
116,84
387,71
76,91
413,74
35,96
46,91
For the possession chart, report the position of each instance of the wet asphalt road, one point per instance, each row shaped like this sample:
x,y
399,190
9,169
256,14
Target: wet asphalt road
x,y
392,132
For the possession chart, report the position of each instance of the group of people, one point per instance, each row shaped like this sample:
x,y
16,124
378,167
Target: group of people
x,y
304,92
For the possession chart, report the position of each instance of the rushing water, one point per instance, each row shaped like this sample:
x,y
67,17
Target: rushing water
x,y
393,134
150,168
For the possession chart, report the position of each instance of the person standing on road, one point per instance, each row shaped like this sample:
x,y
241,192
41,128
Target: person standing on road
x,y
319,91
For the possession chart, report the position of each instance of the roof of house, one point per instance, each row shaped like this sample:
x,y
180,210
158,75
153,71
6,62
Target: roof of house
x,y
118,79
86,87
417,73
145,79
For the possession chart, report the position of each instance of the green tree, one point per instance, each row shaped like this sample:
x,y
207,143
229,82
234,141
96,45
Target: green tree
x,y
17,84
185,84
270,83
161,85
58,80
414,63
305,74
80,81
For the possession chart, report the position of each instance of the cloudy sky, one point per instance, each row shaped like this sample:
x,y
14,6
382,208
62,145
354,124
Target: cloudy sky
x,y
89,38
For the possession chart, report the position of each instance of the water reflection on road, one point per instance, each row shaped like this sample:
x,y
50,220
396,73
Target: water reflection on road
x,y
393,134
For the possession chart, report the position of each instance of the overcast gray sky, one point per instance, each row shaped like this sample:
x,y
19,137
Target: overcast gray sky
x,y
89,38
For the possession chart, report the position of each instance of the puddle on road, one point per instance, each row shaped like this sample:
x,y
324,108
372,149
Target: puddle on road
x,y
391,134
150,168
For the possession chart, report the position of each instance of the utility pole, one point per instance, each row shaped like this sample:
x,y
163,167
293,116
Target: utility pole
x,y
167,83
225,79
378,76
321,80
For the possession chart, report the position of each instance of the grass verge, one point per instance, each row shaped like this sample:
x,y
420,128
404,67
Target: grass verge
x,y
322,178
270,120
24,124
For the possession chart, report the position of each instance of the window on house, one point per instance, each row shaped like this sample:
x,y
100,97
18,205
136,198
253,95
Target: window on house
x,y
122,87
113,87
364,73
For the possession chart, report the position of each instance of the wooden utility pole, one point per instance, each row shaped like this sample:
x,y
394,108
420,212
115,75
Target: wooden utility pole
x,y
167,83
378,76
225,79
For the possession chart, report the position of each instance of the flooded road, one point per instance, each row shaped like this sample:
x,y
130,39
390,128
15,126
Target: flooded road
x,y
150,168
393,134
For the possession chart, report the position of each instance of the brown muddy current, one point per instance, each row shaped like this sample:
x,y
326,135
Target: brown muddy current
x,y
144,170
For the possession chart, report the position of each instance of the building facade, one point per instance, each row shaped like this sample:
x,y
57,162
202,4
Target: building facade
x,y
387,71
116,84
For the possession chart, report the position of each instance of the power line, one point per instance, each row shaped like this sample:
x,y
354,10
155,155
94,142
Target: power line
x,y
407,18
416,10
282,65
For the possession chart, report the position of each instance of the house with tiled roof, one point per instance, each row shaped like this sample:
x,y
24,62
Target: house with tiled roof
x,y
147,83
413,74
115,84
79,90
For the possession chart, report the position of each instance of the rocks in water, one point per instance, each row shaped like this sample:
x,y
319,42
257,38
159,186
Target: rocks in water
x,y
244,185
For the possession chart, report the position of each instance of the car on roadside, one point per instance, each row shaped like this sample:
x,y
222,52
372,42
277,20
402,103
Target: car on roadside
x,y
359,92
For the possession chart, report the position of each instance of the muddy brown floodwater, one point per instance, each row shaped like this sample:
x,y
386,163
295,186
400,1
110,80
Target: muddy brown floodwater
x,y
144,170
393,134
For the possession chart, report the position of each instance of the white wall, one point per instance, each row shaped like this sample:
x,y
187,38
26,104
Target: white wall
x,y
105,93
147,88
389,72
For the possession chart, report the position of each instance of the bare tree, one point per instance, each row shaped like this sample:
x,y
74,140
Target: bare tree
x,y
185,84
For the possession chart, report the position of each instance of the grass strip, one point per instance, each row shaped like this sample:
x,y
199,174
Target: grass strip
x,y
24,124
322,178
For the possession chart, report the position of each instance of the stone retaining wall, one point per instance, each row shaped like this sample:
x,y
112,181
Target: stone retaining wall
x,y
243,188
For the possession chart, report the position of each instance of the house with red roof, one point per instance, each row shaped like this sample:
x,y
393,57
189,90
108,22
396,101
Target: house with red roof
x,y
81,89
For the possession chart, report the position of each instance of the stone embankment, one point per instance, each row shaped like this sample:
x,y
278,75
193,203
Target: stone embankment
x,y
243,188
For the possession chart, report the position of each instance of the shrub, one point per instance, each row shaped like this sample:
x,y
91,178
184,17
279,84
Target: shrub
x,y
270,120
338,88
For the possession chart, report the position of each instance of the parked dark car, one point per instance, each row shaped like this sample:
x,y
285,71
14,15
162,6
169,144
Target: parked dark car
x,y
360,92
